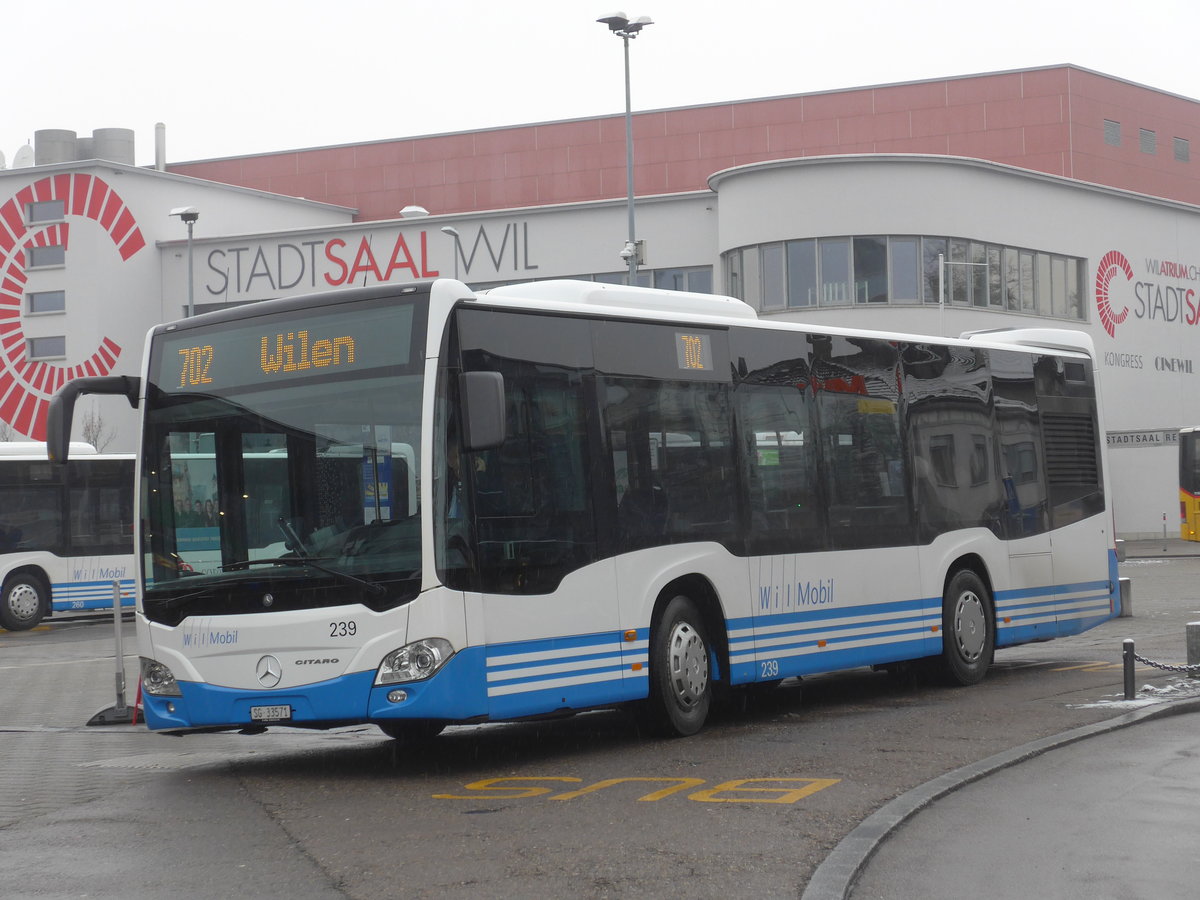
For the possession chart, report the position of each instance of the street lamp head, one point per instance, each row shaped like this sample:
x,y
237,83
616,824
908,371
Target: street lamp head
x,y
450,230
188,214
623,26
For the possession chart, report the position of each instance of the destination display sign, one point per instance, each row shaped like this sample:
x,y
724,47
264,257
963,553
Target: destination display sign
x,y
269,349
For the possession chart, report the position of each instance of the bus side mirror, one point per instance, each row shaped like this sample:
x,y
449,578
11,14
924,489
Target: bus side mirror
x,y
62,407
483,409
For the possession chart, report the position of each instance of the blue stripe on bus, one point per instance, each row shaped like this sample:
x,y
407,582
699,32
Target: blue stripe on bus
x,y
89,595
570,672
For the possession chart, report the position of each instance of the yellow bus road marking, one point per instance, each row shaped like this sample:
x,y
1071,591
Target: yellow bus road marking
x,y
738,790
1098,667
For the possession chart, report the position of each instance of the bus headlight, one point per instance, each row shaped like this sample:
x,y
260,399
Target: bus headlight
x,y
415,661
158,680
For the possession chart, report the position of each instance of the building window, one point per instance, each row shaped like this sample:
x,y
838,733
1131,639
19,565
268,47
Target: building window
x,y
774,277
46,347
697,279
1147,140
870,270
1112,133
802,273
46,302
40,257
41,211
1182,150
933,251
734,284
903,255
834,257
899,269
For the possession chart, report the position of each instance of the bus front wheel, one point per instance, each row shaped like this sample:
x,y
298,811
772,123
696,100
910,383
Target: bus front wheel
x,y
680,683
24,602
968,629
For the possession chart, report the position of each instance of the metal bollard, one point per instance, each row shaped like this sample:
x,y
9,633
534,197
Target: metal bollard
x,y
119,709
1193,647
1127,657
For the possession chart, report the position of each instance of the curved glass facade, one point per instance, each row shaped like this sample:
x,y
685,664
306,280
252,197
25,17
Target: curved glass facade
x,y
906,269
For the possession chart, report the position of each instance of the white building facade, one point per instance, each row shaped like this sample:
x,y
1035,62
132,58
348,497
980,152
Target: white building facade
x,y
90,259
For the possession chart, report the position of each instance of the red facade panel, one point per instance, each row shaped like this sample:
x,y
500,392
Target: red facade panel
x,y
768,112
905,97
1045,82
506,140
867,129
390,153
999,114
449,146
838,105
325,160
698,119
1049,120
981,88
950,120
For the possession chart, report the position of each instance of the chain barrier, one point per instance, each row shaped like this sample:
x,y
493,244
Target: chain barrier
x,y
1130,656
1167,666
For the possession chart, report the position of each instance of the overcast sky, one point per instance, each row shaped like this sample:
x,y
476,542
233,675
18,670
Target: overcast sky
x,y
233,77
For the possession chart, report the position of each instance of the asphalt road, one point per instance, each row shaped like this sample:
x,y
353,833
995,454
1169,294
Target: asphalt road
x,y
583,806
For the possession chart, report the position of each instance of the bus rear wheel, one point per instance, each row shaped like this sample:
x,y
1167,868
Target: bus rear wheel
x,y
680,684
24,601
968,629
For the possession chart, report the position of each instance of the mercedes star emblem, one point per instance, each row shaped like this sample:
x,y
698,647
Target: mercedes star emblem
x,y
269,671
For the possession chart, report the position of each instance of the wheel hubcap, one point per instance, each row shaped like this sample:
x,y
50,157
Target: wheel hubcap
x,y
970,626
23,602
688,664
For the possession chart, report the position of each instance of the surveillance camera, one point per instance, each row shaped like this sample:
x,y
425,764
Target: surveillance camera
x,y
627,251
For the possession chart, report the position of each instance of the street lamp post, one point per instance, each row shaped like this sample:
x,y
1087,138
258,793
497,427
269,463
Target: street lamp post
x,y
189,215
626,29
453,232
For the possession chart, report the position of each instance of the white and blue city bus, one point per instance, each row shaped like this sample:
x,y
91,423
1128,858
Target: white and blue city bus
x,y
609,495
66,534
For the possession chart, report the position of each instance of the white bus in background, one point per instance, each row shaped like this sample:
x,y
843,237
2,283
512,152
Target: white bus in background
x,y
66,534
610,495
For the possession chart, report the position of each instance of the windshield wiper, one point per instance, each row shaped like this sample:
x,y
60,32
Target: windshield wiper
x,y
308,562
180,600
294,542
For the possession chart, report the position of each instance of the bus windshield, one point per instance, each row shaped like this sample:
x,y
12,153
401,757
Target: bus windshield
x,y
281,461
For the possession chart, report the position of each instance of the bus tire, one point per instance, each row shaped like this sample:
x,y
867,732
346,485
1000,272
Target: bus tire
x,y
24,601
411,732
680,684
968,629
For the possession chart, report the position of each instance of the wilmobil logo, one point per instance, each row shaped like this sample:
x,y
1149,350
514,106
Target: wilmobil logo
x,y
95,572
210,637
795,595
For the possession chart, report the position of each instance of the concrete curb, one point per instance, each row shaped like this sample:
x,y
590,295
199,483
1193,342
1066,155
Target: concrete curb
x,y
835,876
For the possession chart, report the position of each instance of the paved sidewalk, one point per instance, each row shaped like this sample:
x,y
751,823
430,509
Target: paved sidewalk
x,y
1099,812
1108,814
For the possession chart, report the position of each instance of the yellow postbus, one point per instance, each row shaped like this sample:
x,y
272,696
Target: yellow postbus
x,y
1189,483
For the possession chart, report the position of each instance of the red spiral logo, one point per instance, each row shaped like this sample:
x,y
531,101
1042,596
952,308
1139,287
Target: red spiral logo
x,y
1113,261
26,386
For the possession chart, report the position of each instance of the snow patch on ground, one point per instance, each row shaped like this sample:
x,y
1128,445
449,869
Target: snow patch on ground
x,y
1148,695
